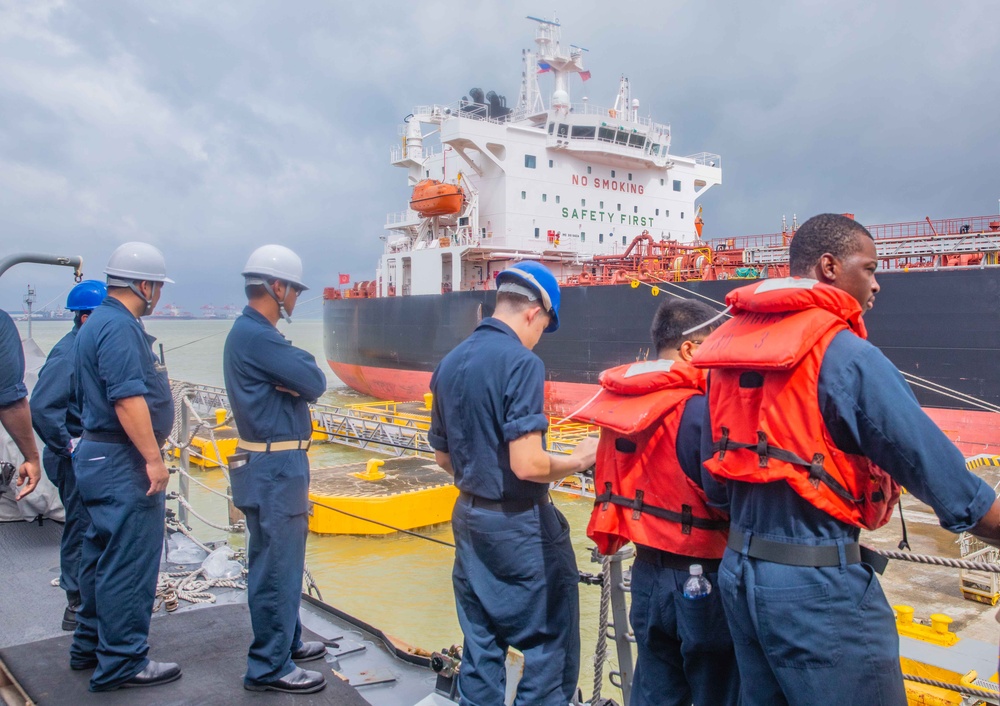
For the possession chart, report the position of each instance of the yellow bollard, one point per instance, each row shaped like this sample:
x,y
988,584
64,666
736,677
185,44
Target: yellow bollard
x,y
220,416
372,471
428,399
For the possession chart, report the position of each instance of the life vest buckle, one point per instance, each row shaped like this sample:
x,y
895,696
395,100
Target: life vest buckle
x,y
687,519
605,497
762,448
816,471
637,505
723,443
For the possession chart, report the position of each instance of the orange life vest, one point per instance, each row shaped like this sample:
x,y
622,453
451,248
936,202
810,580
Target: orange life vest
x,y
763,394
643,495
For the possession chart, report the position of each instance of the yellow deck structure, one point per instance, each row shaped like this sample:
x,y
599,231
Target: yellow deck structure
x,y
407,493
931,651
209,444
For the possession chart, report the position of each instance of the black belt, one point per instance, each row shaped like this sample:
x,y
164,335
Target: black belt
x,y
509,505
112,437
669,560
106,437
804,554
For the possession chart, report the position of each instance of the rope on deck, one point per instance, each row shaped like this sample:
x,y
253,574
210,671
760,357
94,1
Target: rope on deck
x,y
940,561
990,694
190,586
601,651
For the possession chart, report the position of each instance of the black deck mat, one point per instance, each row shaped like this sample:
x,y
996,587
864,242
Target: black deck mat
x,y
210,644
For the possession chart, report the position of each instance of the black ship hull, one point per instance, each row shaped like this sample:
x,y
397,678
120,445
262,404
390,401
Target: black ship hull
x,y
943,326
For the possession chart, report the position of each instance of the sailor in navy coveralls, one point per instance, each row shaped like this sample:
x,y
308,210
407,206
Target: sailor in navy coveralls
x,y
15,415
55,415
127,413
270,384
808,617
515,574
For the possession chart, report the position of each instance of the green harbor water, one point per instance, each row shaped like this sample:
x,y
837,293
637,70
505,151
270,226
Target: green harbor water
x,y
398,583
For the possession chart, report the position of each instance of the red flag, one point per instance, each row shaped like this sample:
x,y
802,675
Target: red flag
x,y
345,279
585,75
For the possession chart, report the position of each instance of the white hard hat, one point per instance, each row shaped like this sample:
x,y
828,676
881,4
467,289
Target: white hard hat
x,y
274,262
136,262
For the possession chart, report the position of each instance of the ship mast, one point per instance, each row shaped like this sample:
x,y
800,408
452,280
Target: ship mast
x,y
549,57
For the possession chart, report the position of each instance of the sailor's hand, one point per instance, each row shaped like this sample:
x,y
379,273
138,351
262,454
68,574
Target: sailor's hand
x,y
158,476
585,452
279,388
28,476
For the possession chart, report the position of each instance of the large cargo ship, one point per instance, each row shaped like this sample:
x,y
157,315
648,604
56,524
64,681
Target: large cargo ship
x,y
596,194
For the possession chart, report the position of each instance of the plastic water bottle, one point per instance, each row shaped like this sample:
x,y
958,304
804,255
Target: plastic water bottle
x,y
697,586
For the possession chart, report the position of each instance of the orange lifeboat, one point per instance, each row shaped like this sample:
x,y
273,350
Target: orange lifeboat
x,y
433,198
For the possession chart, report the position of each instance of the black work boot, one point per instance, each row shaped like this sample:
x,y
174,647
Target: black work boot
x,y
69,616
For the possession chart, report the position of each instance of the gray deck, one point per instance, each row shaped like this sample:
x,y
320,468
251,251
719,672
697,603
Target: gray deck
x,y
209,642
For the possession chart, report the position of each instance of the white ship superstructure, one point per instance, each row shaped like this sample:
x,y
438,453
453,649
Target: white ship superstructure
x,y
559,184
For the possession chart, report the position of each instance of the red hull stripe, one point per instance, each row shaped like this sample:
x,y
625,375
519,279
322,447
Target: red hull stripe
x,y
972,431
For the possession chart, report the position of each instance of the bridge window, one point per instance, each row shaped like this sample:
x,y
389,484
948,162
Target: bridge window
x,y
637,140
552,127
606,134
529,161
621,138
586,132
563,130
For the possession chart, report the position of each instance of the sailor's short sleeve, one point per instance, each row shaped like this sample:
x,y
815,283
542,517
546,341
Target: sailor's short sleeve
x,y
524,399
12,387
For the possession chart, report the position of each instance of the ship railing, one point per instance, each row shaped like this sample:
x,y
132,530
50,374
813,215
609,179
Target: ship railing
x,y
947,226
706,159
944,226
396,153
459,109
402,217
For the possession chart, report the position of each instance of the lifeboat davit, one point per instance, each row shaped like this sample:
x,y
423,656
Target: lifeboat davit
x,y
433,198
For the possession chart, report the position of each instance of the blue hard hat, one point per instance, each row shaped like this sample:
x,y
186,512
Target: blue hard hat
x,y
540,279
87,295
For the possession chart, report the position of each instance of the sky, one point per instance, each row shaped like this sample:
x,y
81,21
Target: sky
x,y
210,128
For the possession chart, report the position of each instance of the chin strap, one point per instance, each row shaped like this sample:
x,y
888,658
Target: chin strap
x,y
269,288
138,292
131,284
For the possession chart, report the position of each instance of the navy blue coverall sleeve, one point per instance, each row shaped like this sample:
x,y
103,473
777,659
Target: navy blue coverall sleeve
x,y
50,402
287,366
524,400
437,435
120,352
869,408
689,451
12,387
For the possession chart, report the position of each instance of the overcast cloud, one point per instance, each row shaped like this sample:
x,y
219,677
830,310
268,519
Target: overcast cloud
x,y
211,128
